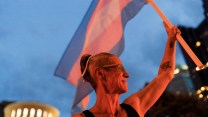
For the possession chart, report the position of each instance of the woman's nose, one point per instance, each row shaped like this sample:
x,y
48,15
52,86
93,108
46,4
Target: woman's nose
x,y
125,74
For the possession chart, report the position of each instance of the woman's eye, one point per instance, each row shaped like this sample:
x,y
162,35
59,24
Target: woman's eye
x,y
120,68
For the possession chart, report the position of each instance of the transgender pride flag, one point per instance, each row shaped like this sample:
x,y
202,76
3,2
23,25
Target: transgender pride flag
x,y
100,31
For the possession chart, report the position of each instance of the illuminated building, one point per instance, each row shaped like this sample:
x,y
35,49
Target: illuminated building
x,y
197,39
181,83
27,109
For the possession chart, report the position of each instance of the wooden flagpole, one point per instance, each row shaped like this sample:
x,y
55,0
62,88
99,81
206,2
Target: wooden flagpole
x,y
195,59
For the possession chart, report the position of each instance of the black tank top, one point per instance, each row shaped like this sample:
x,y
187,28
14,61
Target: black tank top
x,y
131,112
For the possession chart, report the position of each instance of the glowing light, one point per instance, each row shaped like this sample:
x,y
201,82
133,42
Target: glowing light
x,y
200,96
184,67
19,112
176,71
50,115
197,68
202,93
190,93
25,112
32,112
198,43
202,88
198,91
45,114
178,92
206,65
13,113
39,113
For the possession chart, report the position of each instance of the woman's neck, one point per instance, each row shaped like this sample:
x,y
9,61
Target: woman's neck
x,y
107,103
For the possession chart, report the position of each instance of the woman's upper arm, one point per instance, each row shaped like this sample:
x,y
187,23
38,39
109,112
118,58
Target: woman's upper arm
x,y
142,100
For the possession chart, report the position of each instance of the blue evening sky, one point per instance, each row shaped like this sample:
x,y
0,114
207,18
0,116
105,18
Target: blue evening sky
x,y
35,33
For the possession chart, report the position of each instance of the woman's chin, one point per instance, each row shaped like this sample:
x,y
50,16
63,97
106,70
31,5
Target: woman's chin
x,y
124,89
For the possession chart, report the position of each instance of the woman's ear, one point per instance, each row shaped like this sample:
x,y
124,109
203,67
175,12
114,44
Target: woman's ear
x,y
100,73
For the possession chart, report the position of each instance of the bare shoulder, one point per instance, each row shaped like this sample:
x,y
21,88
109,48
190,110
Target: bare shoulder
x,y
78,115
134,102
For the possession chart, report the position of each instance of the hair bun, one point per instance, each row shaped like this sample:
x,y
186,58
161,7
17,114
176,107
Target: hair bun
x,y
83,64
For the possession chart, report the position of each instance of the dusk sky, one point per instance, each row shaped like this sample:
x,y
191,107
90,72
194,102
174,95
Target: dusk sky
x,y
35,33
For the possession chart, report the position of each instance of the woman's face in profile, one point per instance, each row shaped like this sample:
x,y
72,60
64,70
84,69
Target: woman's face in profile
x,y
116,75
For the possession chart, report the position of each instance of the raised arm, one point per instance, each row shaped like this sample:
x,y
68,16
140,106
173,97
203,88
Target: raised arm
x,y
142,100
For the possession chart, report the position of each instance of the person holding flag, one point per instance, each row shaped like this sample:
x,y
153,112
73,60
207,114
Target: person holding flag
x,y
101,30
106,74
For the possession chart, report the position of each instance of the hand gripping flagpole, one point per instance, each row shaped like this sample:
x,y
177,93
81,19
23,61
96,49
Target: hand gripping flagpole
x,y
198,63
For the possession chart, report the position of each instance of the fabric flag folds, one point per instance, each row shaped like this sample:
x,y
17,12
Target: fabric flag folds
x,y
101,30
